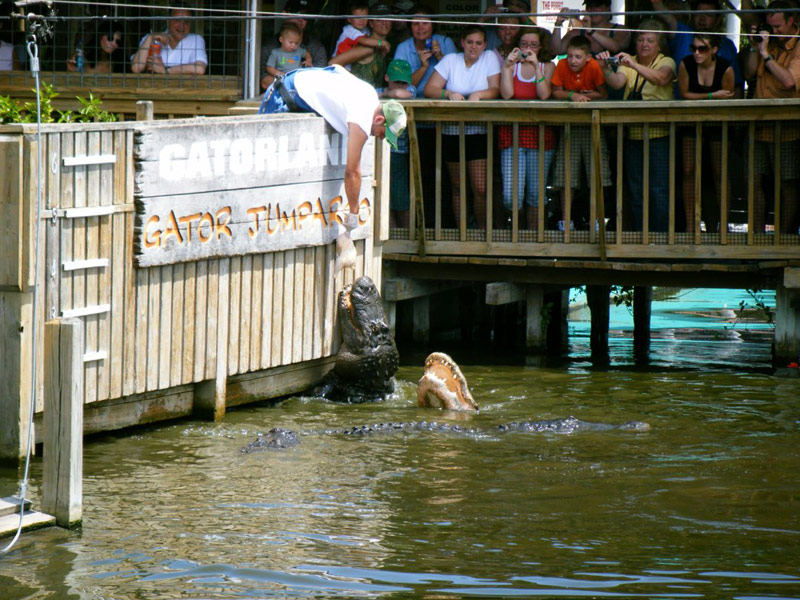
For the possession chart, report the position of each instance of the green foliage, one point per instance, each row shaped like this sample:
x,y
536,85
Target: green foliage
x,y
622,294
12,111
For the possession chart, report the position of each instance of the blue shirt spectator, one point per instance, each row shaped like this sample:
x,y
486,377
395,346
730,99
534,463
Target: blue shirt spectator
x,y
423,45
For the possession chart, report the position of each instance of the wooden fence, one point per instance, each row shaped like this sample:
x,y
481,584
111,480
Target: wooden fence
x,y
739,124
157,339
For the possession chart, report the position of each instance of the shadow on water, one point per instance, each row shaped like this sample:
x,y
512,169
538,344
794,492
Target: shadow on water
x,y
705,505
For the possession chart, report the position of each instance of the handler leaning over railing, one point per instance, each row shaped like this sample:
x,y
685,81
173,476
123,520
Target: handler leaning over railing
x,y
731,223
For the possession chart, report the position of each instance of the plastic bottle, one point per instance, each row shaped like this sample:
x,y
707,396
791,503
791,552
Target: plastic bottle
x,y
79,59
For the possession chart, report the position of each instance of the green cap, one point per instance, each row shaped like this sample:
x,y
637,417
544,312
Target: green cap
x,y
399,70
395,116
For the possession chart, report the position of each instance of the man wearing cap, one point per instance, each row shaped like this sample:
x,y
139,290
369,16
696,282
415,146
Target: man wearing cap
x,y
319,56
349,105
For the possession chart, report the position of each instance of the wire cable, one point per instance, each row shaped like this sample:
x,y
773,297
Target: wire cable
x,y
33,55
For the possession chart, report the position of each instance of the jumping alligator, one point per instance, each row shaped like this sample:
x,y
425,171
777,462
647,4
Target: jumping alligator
x,y
367,359
280,439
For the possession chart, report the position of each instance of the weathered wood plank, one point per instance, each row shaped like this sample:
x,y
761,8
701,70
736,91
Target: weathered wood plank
x,y
245,314
276,352
212,319
320,283
307,310
11,202
267,319
499,293
178,332
256,304
397,289
152,328
189,322
201,321
234,306
164,332
289,290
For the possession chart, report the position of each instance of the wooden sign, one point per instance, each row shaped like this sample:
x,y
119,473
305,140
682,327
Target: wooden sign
x,y
225,187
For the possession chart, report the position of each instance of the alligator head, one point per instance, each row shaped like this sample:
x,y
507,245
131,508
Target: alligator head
x,y
367,359
443,385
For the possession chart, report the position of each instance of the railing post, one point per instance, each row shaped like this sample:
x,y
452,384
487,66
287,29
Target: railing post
x,y
144,110
62,487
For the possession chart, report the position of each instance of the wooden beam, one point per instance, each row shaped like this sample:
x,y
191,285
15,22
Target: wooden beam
x,y
395,290
791,277
502,292
535,334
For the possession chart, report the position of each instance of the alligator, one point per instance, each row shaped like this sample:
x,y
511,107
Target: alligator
x,y
367,359
280,439
443,385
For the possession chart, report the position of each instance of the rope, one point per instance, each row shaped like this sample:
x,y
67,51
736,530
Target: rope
x,y
33,55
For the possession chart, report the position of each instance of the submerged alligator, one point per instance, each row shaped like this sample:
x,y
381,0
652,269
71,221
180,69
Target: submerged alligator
x,y
280,439
367,359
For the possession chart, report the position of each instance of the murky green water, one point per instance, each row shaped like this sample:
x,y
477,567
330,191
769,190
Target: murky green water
x,y
706,505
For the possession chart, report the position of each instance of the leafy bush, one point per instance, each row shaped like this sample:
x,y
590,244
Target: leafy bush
x,y
12,111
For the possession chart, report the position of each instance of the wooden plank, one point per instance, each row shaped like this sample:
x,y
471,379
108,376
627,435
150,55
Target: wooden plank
x,y
141,329
202,315
212,319
234,307
267,320
153,328
223,333
163,332
328,344
88,160
92,324
499,293
104,280
245,313
320,284
178,332
51,227
190,325
724,188
306,316
130,289
289,291
276,351
256,311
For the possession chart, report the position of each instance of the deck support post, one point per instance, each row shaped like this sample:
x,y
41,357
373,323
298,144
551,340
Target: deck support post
x,y
597,297
557,327
421,328
642,302
786,346
390,309
62,483
534,332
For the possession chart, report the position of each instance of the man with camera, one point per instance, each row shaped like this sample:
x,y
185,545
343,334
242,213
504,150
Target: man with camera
x,y
775,60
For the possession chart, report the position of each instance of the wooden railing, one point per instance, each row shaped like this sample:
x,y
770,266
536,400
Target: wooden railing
x,y
740,233
172,95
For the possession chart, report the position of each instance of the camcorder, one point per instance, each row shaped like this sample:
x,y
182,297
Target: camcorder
x,y
758,39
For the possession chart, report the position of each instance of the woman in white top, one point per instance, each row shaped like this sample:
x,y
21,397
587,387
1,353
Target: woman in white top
x,y
470,75
180,51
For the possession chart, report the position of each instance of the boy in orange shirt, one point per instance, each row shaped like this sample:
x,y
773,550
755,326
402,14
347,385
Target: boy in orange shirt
x,y
579,78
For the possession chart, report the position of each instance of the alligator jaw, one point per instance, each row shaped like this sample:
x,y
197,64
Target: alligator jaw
x,y
443,385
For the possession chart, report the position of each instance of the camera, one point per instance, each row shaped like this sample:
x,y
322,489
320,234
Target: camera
x,y
429,44
523,55
612,61
762,27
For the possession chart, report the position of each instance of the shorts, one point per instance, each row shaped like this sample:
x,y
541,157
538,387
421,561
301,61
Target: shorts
x,y
581,152
474,147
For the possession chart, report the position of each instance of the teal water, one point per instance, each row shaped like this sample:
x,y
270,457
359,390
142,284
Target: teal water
x,y
705,505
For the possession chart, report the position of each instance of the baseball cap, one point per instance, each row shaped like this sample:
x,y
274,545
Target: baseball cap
x,y
399,70
403,7
380,10
395,116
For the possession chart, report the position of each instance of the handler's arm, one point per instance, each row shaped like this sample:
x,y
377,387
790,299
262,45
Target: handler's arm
x,y
356,138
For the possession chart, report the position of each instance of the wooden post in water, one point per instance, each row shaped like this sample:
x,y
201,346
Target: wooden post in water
x,y
557,328
534,333
787,319
62,487
642,301
421,331
597,298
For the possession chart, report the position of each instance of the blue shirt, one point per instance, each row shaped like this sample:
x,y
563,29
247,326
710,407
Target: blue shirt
x,y
407,51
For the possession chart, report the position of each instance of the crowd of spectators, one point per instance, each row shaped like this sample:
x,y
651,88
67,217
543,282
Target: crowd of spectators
x,y
668,55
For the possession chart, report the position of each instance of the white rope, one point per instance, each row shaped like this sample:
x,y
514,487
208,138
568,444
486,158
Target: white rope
x,y
33,54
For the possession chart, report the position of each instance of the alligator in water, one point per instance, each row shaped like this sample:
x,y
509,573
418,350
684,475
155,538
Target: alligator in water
x,y
443,385
367,359
280,439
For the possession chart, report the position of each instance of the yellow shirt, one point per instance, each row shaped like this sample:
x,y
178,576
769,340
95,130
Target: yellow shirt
x,y
635,82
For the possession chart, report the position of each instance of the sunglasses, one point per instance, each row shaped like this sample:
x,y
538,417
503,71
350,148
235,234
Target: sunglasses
x,y
703,48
